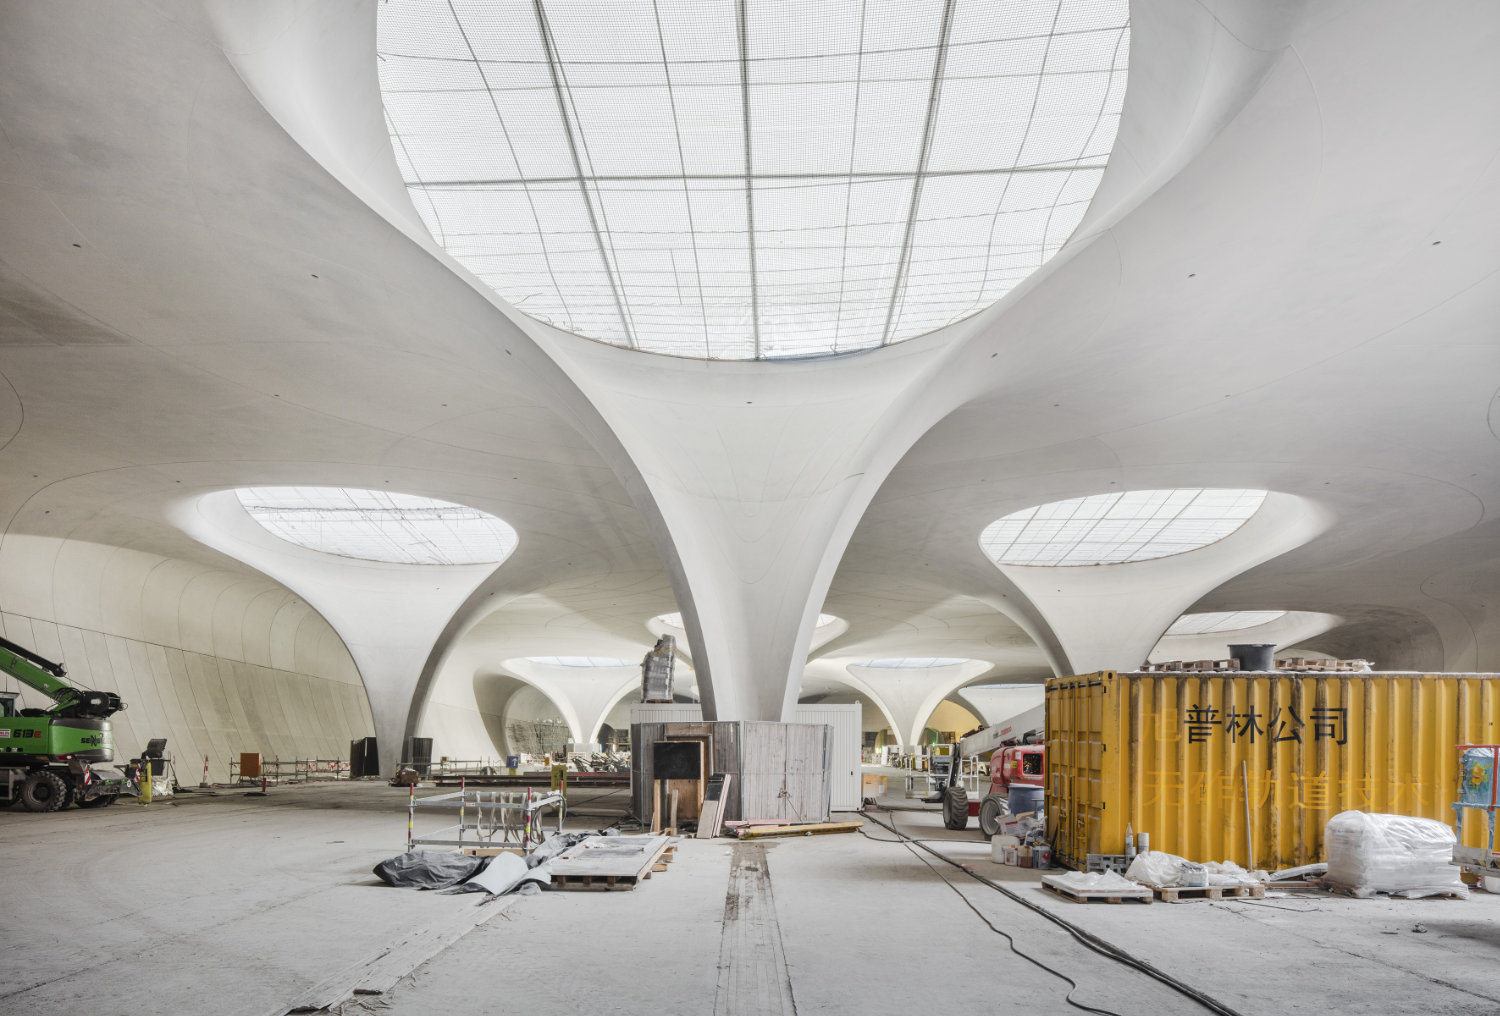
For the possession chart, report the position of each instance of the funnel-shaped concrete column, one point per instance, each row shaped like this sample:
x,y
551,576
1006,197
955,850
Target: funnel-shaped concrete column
x,y
1287,630
752,476
908,695
999,704
584,694
1108,617
760,478
390,616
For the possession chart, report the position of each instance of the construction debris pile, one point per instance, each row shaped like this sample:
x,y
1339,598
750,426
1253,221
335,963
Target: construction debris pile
x,y
583,860
538,737
1394,855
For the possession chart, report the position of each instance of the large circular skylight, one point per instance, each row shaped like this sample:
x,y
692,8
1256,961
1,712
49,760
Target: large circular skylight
x,y
752,180
377,525
674,620
1135,525
913,663
1231,620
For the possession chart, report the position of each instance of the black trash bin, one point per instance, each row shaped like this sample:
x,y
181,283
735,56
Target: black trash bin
x,y
1254,655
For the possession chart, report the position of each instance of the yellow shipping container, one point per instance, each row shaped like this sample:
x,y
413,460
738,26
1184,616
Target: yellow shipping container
x,y
1236,766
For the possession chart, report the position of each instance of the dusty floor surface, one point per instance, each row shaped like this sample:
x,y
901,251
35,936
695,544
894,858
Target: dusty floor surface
x,y
240,905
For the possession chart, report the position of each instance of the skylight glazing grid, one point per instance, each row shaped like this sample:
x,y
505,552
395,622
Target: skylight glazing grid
x,y
913,663
908,163
377,525
1118,528
674,620
1211,623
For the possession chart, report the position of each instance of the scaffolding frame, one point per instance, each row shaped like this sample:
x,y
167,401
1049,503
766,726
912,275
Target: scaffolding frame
x,y
515,816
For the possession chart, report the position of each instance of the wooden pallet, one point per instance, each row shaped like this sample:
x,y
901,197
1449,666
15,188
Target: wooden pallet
x,y
803,829
1190,666
1298,665
1189,894
1295,665
1097,895
575,870
493,851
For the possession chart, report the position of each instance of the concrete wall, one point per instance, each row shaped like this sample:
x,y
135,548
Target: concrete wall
x,y
216,661
463,732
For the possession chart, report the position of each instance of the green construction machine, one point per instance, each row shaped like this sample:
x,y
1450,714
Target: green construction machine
x,y
48,756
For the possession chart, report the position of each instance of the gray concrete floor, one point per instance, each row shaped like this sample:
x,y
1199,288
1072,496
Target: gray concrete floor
x,y
239,905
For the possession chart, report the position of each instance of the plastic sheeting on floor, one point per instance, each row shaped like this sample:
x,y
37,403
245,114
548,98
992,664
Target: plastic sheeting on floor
x,y
423,869
466,873
1396,854
504,873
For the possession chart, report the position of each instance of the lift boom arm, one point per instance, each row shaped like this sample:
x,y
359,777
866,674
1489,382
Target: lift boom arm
x,y
47,677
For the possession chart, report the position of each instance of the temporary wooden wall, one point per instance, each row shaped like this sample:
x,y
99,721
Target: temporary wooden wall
x,y
781,770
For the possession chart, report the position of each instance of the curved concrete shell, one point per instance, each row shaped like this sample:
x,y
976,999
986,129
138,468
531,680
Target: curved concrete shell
x,y
212,277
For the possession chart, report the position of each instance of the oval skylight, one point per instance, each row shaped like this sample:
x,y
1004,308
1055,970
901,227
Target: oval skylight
x,y
582,661
1231,620
913,663
377,525
674,620
757,180
1136,525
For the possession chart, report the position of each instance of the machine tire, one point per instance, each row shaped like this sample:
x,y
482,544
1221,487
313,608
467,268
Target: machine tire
x,y
44,791
991,810
955,807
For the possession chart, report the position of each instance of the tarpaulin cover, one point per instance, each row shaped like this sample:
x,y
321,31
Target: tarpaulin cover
x,y
504,873
466,873
1395,854
420,869
555,845
1094,881
1157,867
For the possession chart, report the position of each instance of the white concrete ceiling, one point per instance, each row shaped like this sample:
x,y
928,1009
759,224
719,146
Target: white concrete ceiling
x,y
1288,281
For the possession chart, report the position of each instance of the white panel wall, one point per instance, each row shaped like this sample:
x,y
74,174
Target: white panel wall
x,y
848,723
666,712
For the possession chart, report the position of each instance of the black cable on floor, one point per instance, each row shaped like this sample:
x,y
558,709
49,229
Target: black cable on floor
x,y
1085,938
1009,939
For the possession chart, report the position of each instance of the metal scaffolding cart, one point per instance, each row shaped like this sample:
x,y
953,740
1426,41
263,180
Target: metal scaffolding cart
x,y
487,819
1477,768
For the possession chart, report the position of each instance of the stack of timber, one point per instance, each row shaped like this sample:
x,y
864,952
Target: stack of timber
x,y
764,828
538,778
1298,665
612,862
